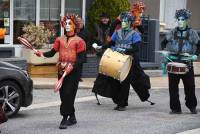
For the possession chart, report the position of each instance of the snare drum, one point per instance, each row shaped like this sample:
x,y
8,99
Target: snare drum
x,y
177,68
115,64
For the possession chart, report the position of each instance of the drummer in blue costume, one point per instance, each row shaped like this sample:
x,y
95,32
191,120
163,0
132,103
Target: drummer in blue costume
x,y
183,46
126,41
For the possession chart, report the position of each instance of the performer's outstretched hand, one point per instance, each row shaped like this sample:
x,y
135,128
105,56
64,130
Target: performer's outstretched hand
x,y
194,57
96,47
38,53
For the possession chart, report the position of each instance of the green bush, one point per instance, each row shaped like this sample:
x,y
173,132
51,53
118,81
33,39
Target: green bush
x,y
112,7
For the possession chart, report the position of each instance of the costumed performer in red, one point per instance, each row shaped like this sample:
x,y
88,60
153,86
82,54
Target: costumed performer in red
x,y
71,50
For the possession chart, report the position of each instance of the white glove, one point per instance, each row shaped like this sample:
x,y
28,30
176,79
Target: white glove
x,y
99,47
95,46
194,57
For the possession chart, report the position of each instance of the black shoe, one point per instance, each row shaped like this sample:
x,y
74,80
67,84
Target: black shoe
x,y
176,112
72,120
63,123
193,111
120,108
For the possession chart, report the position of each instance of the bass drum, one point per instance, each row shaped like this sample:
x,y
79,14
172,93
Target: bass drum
x,y
115,64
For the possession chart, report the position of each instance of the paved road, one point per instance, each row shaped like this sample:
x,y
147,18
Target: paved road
x,y
139,118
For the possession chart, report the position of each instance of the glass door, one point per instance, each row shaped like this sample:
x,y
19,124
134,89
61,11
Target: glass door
x,y
4,21
50,11
74,6
24,13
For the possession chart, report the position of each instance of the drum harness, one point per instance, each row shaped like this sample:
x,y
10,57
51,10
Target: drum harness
x,y
181,40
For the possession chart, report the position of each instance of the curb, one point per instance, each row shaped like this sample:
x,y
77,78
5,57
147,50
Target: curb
x,y
193,131
38,87
51,86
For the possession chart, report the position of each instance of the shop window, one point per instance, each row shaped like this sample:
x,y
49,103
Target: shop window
x,y
4,21
74,6
24,13
50,16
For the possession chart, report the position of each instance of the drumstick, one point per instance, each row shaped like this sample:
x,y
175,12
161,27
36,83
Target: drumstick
x,y
26,43
58,84
169,58
163,51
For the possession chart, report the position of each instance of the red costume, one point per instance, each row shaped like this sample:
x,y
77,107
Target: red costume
x,y
68,50
71,50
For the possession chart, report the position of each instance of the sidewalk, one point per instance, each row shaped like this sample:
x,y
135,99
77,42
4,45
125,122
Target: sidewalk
x,y
160,82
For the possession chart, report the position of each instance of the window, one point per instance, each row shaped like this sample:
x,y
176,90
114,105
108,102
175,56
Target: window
x,y
4,21
24,13
74,6
50,16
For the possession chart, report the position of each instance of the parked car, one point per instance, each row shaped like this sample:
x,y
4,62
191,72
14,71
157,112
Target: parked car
x,y
15,88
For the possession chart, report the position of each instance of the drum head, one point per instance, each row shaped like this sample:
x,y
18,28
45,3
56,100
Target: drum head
x,y
125,69
115,64
177,64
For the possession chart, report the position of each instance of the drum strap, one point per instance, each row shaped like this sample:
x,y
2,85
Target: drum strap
x,y
120,34
180,40
123,37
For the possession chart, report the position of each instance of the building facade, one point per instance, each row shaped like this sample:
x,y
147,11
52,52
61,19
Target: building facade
x,y
164,10
14,14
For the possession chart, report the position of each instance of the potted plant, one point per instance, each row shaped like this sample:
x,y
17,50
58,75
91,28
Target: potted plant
x,y
39,37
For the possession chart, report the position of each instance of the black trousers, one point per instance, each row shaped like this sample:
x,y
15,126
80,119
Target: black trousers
x,y
68,92
121,90
121,93
140,81
189,89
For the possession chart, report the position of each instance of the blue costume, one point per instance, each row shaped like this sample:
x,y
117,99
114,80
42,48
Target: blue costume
x,y
125,42
178,41
190,40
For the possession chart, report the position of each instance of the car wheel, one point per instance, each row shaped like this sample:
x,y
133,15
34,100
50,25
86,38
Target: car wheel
x,y
10,97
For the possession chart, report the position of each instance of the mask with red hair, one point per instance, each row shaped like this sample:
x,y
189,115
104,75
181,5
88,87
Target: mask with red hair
x,y
69,22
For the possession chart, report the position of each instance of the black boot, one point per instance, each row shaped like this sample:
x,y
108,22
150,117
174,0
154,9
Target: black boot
x,y
176,112
72,120
120,108
193,111
63,123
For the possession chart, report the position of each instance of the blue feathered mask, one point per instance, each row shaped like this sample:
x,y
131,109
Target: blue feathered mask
x,y
127,16
183,13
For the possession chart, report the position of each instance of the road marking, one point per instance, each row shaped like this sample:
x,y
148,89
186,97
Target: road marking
x,y
193,131
57,103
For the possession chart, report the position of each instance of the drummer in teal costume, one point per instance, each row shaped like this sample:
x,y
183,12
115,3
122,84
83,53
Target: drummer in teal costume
x,y
183,46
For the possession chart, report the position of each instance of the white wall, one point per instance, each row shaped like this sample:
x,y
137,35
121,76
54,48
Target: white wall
x,y
18,50
167,11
